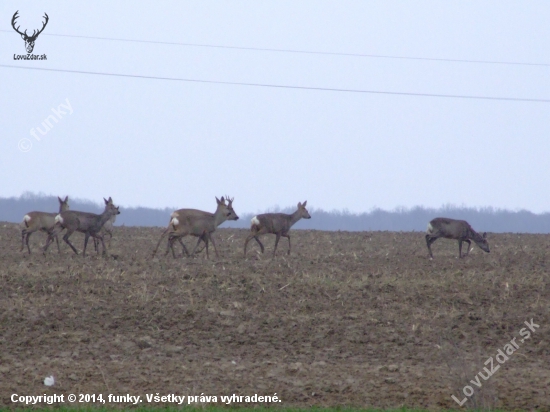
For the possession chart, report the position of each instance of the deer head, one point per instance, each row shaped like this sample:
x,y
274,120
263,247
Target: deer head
x,y
304,214
29,40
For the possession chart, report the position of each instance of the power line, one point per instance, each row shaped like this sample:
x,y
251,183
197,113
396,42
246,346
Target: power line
x,y
278,86
381,56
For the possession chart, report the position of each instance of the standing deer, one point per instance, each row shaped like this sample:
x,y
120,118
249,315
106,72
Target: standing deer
x,y
196,223
276,223
88,223
454,229
42,221
107,227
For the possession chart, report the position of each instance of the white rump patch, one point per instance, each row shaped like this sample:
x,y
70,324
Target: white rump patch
x,y
255,220
174,221
58,219
26,218
430,228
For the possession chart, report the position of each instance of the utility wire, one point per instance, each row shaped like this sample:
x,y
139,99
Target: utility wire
x,y
277,86
382,56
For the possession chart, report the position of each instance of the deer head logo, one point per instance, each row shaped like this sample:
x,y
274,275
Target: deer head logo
x,y
29,40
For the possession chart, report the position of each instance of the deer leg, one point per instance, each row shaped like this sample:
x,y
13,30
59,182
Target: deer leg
x,y
66,239
171,241
276,242
183,246
170,246
57,242
100,237
287,236
104,248
469,244
259,243
214,244
55,231
27,242
23,233
95,237
201,237
204,237
86,237
160,240
246,242
95,244
48,241
201,249
429,240
460,256
206,241
249,238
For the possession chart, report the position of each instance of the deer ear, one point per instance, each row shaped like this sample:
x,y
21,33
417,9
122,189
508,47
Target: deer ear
x,y
304,204
66,199
106,201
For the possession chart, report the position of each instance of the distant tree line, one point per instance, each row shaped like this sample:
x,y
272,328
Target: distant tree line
x,y
403,219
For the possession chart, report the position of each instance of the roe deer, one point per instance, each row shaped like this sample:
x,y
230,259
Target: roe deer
x,y
107,227
88,223
196,223
454,229
276,223
43,221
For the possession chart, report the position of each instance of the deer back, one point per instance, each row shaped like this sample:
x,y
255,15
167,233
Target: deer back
x,y
449,228
44,220
192,221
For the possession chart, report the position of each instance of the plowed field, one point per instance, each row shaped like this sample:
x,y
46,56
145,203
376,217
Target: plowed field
x,y
362,319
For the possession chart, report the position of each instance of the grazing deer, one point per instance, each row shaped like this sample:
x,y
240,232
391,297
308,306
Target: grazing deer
x,y
88,223
454,229
43,221
277,223
196,223
107,227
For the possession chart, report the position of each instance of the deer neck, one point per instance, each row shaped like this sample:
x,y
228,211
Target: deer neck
x,y
219,217
295,217
472,234
104,217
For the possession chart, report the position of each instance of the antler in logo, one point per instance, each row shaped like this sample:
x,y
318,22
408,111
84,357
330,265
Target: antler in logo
x,y
29,40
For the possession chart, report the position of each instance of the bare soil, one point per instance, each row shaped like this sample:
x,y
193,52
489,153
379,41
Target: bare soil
x,y
361,319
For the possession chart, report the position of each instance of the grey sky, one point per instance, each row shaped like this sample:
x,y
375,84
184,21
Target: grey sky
x,y
171,143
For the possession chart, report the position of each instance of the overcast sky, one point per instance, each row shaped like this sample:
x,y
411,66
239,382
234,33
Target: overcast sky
x,y
164,143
